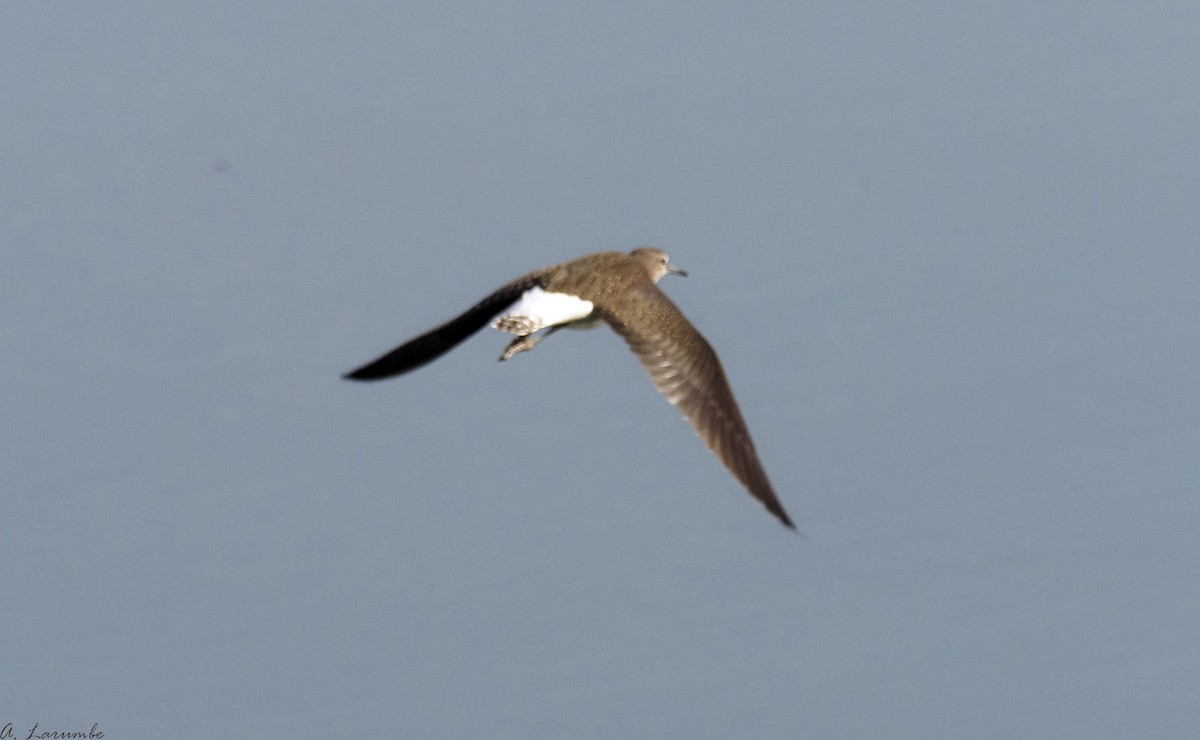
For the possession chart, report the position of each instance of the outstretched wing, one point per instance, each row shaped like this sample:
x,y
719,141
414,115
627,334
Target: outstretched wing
x,y
686,370
437,342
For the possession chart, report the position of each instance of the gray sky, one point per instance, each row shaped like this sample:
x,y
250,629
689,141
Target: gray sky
x,y
948,255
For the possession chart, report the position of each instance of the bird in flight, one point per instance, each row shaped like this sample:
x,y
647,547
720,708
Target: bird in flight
x,y
620,290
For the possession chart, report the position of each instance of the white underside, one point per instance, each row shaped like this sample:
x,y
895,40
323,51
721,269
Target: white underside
x,y
537,309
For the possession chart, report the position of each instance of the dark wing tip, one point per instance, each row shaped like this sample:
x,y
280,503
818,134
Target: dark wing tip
x,y
362,373
749,471
436,342
404,358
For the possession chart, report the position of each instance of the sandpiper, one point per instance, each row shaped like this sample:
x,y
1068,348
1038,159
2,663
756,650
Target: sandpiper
x,y
620,290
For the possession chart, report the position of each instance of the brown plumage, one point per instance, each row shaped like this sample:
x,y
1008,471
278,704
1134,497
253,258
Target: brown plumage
x,y
621,291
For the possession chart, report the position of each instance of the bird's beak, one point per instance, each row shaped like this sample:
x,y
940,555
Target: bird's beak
x,y
673,270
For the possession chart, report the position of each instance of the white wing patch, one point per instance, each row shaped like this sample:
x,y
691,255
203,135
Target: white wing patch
x,y
537,309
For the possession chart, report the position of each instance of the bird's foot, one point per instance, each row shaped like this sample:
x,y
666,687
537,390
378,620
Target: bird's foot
x,y
518,345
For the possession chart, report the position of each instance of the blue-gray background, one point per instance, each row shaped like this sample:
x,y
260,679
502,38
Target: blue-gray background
x,y
948,253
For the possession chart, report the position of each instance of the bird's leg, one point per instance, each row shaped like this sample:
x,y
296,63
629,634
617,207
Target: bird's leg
x,y
520,344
